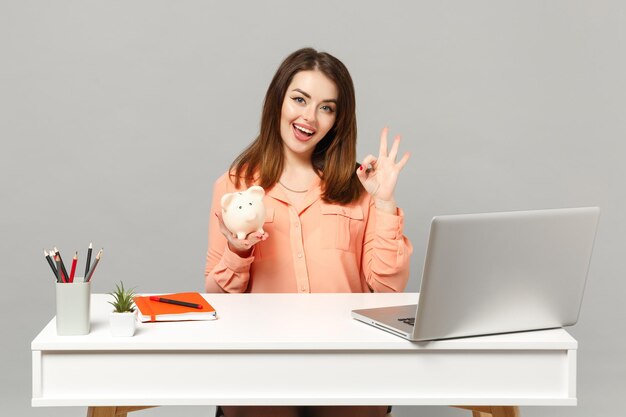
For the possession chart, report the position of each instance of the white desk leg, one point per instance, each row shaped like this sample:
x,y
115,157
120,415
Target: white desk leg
x,y
112,411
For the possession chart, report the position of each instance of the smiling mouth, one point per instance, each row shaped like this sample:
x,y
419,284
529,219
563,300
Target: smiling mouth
x,y
302,133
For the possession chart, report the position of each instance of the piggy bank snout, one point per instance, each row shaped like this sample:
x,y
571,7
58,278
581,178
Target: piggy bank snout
x,y
252,215
244,212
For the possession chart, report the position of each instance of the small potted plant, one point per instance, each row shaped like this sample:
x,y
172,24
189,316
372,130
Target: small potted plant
x,y
123,317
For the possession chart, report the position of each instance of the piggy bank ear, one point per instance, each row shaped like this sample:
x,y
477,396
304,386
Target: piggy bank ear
x,y
256,191
226,199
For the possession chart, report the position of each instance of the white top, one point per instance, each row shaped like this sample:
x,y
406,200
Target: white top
x,y
282,322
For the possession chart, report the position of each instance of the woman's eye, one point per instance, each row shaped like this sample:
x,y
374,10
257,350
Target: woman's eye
x,y
298,99
327,109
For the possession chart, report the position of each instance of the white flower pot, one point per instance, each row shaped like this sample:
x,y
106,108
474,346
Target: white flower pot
x,y
123,324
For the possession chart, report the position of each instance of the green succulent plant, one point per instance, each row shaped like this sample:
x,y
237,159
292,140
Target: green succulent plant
x,y
123,299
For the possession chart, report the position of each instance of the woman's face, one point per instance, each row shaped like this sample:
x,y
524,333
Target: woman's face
x,y
308,112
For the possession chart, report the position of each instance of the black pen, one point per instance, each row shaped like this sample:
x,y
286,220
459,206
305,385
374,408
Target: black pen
x,y
178,303
51,263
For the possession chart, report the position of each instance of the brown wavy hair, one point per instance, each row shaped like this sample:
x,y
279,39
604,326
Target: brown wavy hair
x,y
334,157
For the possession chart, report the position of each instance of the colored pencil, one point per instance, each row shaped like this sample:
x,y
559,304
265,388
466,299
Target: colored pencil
x,y
65,275
93,267
73,270
59,272
88,263
51,263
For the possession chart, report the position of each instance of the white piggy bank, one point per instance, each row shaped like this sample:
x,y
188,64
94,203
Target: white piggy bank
x,y
243,212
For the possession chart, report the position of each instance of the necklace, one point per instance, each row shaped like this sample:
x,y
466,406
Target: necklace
x,y
293,191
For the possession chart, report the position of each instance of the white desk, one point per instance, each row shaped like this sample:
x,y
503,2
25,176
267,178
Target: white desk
x,y
288,349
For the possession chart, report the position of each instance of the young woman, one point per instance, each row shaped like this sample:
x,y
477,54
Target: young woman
x,y
332,225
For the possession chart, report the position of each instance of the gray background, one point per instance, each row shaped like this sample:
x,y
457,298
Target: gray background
x,y
116,117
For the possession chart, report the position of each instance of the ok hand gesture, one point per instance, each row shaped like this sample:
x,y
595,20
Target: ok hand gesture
x,y
379,175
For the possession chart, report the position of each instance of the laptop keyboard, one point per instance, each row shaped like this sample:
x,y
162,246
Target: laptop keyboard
x,y
409,320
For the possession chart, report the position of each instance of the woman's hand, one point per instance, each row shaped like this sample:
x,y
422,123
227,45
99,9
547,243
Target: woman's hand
x,y
241,247
379,176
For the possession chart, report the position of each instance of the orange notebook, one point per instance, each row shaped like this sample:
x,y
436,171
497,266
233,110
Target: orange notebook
x,y
150,310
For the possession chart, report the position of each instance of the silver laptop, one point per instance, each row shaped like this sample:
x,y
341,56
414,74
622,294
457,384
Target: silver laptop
x,y
497,273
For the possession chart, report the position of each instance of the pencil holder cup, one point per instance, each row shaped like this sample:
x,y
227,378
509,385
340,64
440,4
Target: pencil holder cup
x,y
73,302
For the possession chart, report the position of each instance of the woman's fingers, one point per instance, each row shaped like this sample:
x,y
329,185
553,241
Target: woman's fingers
x,y
403,161
383,151
383,142
256,237
394,148
369,160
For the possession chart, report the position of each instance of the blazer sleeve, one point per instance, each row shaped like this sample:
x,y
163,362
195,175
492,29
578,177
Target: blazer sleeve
x,y
386,251
224,271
